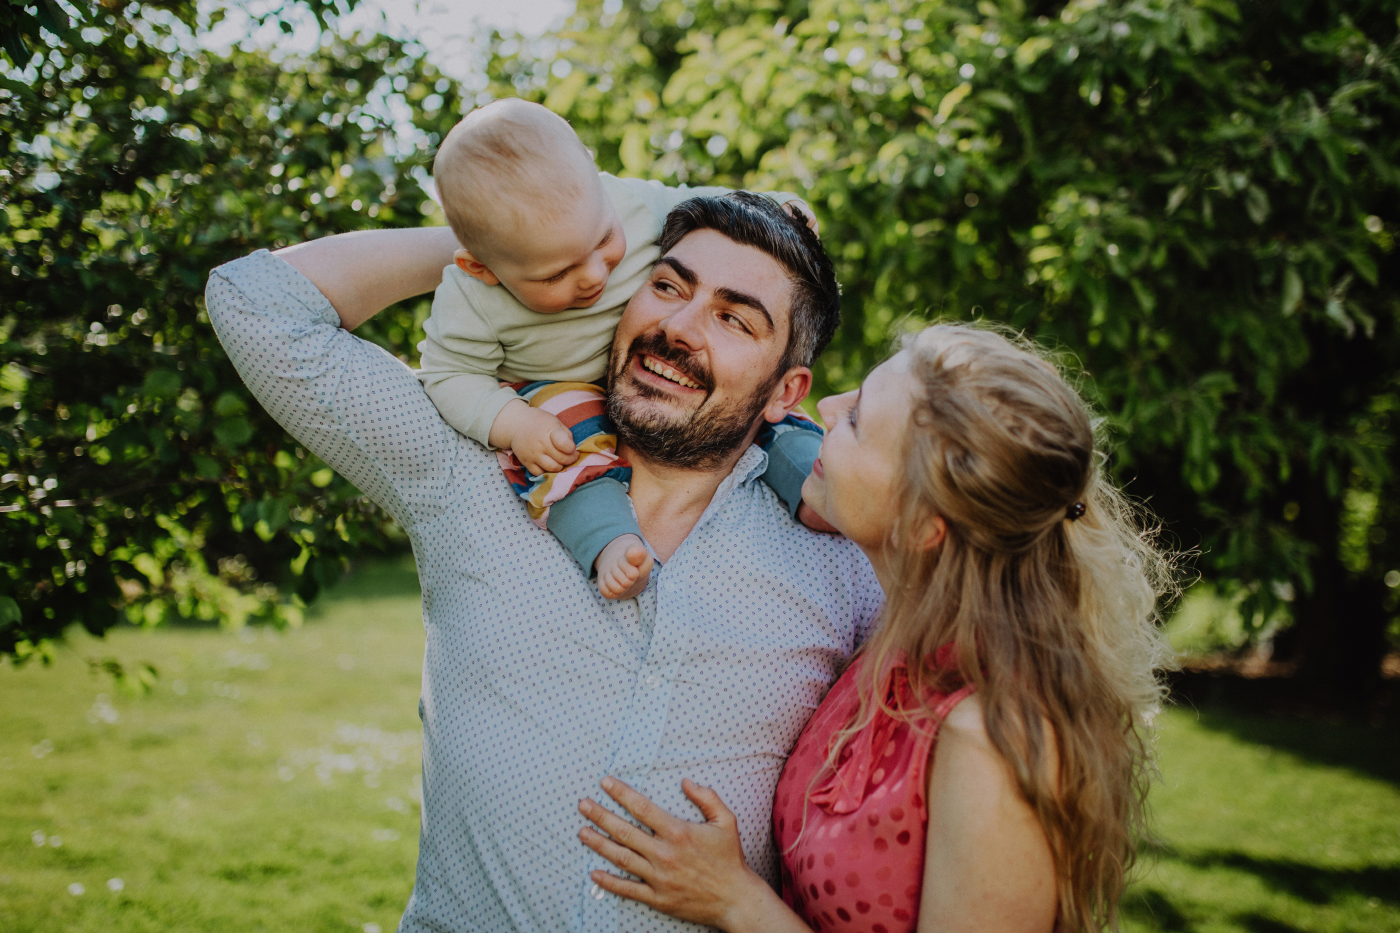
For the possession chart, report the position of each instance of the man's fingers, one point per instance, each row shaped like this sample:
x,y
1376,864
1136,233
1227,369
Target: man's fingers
x,y
709,802
632,890
647,813
619,829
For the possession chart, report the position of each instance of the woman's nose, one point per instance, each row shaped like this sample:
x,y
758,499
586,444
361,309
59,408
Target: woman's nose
x,y
829,408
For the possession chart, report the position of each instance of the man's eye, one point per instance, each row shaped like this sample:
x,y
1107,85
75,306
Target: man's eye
x,y
736,321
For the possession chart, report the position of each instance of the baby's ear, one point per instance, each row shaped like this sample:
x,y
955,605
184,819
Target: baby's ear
x,y
474,267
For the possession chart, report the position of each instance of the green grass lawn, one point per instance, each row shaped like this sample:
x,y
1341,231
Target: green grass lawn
x,y
270,782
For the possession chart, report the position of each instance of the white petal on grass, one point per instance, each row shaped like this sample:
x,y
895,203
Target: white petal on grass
x,y
370,928
76,889
38,838
55,842
115,885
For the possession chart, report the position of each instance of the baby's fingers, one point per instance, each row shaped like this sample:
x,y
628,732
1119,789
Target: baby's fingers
x,y
563,442
543,463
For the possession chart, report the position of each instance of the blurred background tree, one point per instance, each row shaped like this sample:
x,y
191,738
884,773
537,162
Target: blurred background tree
x,y
140,480
1195,198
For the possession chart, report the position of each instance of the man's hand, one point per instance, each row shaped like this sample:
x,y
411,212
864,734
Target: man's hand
x,y
801,207
538,439
809,517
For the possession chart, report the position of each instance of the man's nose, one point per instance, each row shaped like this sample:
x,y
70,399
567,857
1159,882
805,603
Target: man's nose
x,y
685,328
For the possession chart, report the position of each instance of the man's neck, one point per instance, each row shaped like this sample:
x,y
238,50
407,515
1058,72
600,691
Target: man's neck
x,y
670,500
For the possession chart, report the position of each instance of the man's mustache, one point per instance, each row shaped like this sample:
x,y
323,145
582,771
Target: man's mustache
x,y
657,346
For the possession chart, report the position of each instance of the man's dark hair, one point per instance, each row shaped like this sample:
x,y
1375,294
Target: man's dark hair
x,y
756,221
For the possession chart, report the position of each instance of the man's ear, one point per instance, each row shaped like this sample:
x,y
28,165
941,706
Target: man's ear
x,y
790,393
474,267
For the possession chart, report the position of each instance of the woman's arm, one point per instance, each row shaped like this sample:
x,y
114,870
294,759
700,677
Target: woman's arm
x,y
363,273
987,864
691,871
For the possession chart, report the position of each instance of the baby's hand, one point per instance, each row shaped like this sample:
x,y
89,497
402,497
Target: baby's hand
x,y
802,208
538,439
809,517
624,567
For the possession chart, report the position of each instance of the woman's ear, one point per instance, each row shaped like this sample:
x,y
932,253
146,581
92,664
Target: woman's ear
x,y
934,533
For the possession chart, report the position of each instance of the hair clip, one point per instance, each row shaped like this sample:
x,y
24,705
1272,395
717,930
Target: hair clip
x,y
1075,512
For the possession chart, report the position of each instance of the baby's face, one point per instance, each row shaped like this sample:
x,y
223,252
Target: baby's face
x,y
566,263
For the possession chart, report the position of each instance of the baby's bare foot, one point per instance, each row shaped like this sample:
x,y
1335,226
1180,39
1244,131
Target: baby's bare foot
x,y
624,567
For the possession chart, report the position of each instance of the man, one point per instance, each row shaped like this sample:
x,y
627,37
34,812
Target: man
x,y
534,687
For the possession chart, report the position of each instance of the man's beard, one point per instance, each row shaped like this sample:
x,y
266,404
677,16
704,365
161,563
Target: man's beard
x,y
699,440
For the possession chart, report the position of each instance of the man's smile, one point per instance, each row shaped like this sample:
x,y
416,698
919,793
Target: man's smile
x,y
665,372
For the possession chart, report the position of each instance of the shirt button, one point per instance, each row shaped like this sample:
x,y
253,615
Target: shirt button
x,y
596,893
652,681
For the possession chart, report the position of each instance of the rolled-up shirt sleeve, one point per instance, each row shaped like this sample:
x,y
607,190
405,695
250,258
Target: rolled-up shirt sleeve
x,y
347,400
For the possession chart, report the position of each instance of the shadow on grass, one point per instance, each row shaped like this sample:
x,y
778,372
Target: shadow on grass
x,y
1310,883
1372,751
1156,909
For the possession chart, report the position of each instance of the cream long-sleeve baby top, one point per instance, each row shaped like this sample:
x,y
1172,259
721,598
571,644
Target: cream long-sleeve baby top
x,y
479,335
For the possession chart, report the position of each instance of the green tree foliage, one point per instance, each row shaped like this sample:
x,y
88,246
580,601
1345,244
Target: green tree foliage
x,y
1195,197
138,479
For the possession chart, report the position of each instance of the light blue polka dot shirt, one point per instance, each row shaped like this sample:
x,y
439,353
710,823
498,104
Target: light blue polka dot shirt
x,y
534,686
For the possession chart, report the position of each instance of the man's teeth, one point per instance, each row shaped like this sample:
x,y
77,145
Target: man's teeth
x,y
666,372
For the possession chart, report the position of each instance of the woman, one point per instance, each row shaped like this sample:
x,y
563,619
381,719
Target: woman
x,y
982,764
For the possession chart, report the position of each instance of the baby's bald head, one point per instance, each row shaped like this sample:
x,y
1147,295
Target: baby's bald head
x,y
508,166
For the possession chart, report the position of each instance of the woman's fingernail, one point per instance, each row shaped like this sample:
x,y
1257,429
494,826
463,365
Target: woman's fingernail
x,y
608,783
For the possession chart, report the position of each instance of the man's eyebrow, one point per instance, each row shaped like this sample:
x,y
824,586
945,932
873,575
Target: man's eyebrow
x,y
734,297
686,273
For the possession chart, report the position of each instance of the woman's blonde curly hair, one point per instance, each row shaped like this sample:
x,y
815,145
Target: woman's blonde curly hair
x,y
1052,607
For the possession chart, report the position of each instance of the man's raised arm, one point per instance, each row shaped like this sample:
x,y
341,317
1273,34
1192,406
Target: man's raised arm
x,y
283,321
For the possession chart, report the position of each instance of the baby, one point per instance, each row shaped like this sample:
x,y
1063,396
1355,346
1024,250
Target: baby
x,y
523,323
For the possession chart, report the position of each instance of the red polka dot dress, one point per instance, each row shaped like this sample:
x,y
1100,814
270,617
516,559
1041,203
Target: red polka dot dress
x,y
857,866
